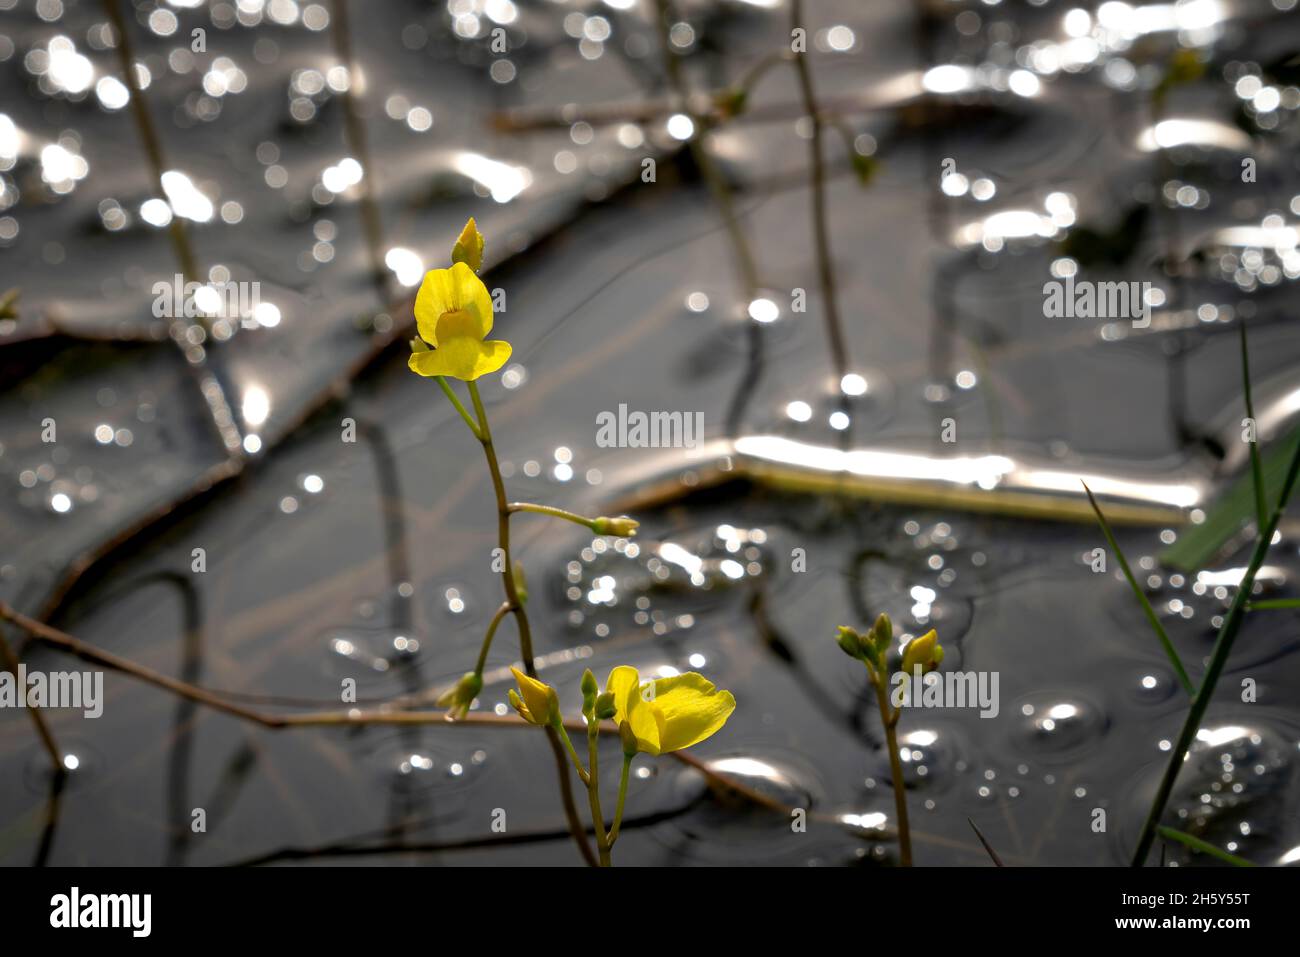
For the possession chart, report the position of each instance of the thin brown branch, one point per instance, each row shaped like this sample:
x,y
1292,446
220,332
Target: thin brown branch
x,y
10,662
987,846
355,132
380,715
149,137
821,228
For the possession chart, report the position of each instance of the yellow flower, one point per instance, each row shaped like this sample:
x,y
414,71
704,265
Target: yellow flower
x,y
924,651
668,714
539,703
453,311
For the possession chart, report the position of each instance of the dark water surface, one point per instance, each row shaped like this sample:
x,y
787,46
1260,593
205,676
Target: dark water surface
x,y
370,560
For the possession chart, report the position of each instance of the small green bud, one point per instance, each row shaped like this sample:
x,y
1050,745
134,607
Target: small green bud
x,y
849,642
882,636
589,691
925,652
621,527
605,707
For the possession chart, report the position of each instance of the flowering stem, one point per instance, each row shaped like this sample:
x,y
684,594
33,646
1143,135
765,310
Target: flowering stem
x,y
890,723
622,797
484,434
446,387
554,512
593,792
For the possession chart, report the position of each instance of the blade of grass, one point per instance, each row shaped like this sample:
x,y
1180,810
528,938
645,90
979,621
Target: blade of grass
x,y
1231,512
1196,844
1274,603
987,846
1256,468
1218,659
1183,679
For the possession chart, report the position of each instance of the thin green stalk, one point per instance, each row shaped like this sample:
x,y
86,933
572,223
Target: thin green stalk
x,y
464,414
573,752
484,434
1196,844
1218,659
622,798
554,512
740,91
501,613
1183,678
890,722
593,792
1256,467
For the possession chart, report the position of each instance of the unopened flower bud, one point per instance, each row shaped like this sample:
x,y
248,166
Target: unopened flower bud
x,y
621,527
605,706
849,642
537,702
882,635
925,652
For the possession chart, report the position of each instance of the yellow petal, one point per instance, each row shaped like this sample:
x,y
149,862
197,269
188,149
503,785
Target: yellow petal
x,y
473,297
536,695
452,290
517,703
625,685
622,682
691,709
465,359
436,296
